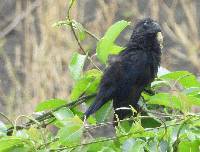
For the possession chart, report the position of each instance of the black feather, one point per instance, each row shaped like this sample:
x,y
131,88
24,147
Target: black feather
x,y
131,71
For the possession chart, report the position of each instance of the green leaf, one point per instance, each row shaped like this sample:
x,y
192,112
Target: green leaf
x,y
113,32
185,78
63,114
10,144
189,146
106,149
72,132
81,35
193,100
165,99
54,145
158,84
106,46
132,145
88,84
193,91
103,113
155,145
150,123
80,29
138,131
35,134
76,65
123,128
136,128
94,85
80,87
50,104
163,145
76,25
187,101
107,146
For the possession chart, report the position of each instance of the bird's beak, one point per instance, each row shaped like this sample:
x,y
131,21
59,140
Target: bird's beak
x,y
156,27
159,37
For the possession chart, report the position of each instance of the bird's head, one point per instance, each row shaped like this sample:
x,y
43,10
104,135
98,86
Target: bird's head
x,y
147,26
149,31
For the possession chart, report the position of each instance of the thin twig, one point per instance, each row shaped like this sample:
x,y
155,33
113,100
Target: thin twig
x,y
178,133
7,119
36,122
76,38
161,115
69,105
91,34
165,132
48,143
117,121
88,32
48,115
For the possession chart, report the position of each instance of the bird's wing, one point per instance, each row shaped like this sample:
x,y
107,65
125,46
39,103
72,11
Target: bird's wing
x,y
136,76
135,67
107,88
118,79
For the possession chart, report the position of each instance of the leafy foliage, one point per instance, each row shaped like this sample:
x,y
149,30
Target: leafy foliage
x,y
106,45
49,104
76,65
71,133
88,84
168,124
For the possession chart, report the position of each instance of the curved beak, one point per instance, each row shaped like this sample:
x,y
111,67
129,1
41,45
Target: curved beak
x,y
159,37
156,27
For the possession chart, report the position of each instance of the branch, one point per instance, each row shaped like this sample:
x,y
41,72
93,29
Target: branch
x,y
91,34
49,115
161,115
117,121
7,119
177,141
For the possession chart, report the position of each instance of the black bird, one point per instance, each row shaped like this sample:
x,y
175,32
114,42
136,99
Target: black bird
x,y
132,70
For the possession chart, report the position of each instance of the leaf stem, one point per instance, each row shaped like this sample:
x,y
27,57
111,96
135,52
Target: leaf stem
x,y
76,38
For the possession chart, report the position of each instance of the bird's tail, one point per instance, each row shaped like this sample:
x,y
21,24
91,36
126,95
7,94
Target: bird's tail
x,y
94,107
103,96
